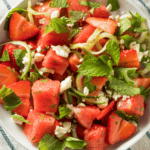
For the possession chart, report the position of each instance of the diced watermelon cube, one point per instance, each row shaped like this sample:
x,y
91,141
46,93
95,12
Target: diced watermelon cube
x,y
145,82
46,95
86,115
55,62
40,125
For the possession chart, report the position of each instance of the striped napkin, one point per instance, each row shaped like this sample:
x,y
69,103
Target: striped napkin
x,y
8,143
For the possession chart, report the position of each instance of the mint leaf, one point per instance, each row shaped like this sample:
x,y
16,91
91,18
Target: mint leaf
x,y
127,117
5,56
122,87
125,74
15,116
87,83
114,3
63,112
73,33
145,92
106,60
125,24
59,25
127,40
114,51
58,3
33,77
18,10
95,67
77,15
19,54
10,99
137,30
90,4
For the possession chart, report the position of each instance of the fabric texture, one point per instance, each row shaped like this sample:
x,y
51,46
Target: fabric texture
x,y
8,143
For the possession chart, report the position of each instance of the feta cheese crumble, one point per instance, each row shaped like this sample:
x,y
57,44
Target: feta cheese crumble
x,y
41,21
109,7
81,105
60,131
39,49
61,50
39,3
86,91
65,84
39,57
70,106
46,70
17,121
116,95
55,14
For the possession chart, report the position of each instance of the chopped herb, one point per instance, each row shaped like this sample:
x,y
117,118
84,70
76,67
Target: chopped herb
x,y
5,56
53,106
58,3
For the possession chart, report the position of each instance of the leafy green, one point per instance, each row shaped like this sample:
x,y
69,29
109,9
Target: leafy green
x,y
5,56
58,3
114,51
59,25
10,99
73,32
125,116
145,92
33,77
19,54
101,66
87,83
114,3
125,74
127,40
122,87
18,10
137,30
125,24
15,116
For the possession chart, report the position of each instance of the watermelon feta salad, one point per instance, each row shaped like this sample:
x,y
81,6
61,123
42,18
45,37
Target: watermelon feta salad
x,y
74,75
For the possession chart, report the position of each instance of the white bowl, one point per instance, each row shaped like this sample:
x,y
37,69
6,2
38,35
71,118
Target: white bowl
x,y
17,132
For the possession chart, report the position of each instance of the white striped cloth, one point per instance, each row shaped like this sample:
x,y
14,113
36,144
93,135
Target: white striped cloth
x,y
8,143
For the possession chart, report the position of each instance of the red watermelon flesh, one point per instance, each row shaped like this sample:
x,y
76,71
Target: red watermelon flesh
x,y
46,95
143,82
40,125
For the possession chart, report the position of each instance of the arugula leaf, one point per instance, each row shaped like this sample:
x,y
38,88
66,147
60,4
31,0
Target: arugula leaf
x,y
96,67
73,32
63,112
59,25
10,99
125,24
114,3
33,77
125,116
58,3
114,51
125,74
122,87
145,92
77,15
127,40
19,54
15,116
87,83
18,10
5,56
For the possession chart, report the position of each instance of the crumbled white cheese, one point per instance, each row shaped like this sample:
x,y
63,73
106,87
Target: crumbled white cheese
x,y
121,41
81,105
116,96
109,92
55,14
60,131
46,70
70,25
117,18
125,97
65,84
112,17
126,16
109,7
61,50
39,57
86,91
17,121
41,21
70,106
39,49
118,24
39,3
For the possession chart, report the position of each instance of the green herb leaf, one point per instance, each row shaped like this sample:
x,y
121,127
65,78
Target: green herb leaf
x,y
77,15
58,3
125,116
18,10
15,116
73,32
122,87
10,99
87,83
90,4
114,3
33,77
5,56
19,54
125,24
127,40
137,30
114,51
95,67
59,25
145,92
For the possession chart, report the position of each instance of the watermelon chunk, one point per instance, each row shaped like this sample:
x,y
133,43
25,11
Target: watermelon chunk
x,y
95,137
46,95
143,82
132,106
40,125
86,115
22,90
55,62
